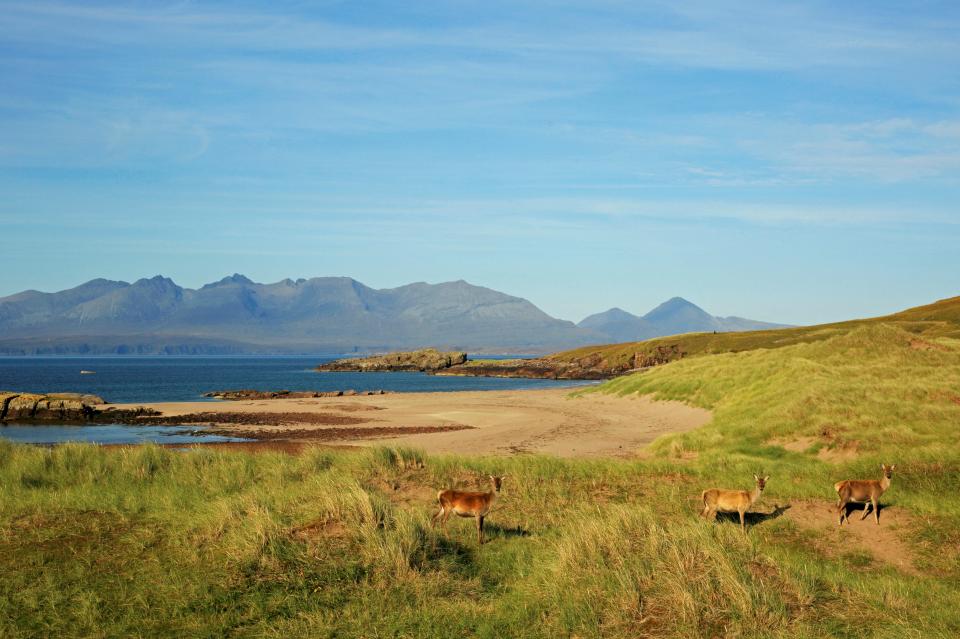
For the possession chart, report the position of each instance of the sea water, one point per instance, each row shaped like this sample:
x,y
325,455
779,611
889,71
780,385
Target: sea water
x,y
157,379
121,380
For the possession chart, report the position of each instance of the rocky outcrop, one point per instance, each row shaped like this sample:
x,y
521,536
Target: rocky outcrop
x,y
426,360
236,395
55,406
530,368
591,366
70,408
663,354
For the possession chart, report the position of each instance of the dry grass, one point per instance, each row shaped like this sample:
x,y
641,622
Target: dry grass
x,y
153,542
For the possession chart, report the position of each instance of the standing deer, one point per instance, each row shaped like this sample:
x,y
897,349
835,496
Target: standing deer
x,y
730,501
467,504
866,491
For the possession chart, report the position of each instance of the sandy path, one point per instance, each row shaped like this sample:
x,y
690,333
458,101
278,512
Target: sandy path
x,y
502,422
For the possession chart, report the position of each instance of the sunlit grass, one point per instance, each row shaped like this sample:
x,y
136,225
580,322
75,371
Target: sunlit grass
x,y
145,541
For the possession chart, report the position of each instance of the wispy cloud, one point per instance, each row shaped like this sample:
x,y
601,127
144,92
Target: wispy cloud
x,y
239,128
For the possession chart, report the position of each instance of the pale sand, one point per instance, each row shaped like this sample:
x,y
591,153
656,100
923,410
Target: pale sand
x,y
503,423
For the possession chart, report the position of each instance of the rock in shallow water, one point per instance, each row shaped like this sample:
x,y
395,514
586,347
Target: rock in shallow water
x,y
53,406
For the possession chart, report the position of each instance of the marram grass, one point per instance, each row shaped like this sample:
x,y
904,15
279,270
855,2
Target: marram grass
x,y
148,542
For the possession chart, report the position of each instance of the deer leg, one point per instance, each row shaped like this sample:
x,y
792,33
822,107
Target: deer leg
x,y
876,510
842,511
866,511
433,520
743,525
479,529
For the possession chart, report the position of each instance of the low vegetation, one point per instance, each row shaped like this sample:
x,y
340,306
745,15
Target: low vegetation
x,y
146,541
940,319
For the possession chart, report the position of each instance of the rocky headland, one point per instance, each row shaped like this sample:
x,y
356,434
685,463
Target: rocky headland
x,y
591,365
427,360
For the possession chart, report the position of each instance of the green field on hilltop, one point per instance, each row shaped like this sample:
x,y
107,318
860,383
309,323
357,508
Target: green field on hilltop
x,y
151,542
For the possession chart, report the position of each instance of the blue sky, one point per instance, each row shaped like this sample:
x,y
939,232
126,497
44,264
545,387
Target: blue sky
x,y
793,162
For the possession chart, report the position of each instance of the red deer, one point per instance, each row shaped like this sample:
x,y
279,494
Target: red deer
x,y
731,501
865,491
467,504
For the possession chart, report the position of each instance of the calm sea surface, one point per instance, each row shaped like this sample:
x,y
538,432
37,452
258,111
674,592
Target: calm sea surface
x,y
123,380
131,380
107,434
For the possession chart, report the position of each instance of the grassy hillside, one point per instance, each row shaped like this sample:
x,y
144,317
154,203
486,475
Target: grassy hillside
x,y
941,319
151,542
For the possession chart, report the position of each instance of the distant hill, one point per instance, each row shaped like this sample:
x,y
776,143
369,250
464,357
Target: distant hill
x,y
237,315
673,317
323,315
938,320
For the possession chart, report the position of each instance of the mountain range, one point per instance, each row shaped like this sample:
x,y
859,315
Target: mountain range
x,y
329,315
674,316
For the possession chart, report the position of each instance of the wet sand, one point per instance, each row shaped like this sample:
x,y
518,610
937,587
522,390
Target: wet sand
x,y
483,422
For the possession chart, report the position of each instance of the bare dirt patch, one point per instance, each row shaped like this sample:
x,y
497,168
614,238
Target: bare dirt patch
x,y
319,528
831,451
796,445
923,345
410,492
885,543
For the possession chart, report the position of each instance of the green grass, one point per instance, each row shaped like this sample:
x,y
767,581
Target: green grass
x,y
334,543
941,319
851,402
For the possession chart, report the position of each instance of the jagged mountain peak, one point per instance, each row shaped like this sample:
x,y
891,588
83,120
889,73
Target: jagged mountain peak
x,y
236,278
320,314
674,316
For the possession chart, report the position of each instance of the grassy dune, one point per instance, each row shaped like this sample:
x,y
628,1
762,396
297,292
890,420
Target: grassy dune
x,y
151,542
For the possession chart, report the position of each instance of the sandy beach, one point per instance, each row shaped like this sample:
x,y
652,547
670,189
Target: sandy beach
x,y
488,422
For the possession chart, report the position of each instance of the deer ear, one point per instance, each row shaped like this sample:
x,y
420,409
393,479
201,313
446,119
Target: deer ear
x,y
766,478
756,478
892,466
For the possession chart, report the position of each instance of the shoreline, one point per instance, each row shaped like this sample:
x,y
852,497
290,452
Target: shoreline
x,y
510,422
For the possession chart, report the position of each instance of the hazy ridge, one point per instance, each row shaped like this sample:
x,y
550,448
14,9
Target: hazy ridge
x,y
330,315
